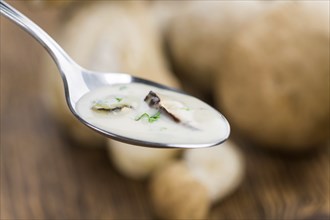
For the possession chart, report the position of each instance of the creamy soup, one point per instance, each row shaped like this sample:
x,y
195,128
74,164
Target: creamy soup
x,y
151,114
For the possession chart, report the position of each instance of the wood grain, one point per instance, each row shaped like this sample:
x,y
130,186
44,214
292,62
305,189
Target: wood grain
x,y
45,176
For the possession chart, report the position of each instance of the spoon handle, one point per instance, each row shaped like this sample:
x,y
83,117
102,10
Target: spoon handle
x,y
61,58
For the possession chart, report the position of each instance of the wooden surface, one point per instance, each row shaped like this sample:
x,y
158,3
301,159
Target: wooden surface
x,y
44,176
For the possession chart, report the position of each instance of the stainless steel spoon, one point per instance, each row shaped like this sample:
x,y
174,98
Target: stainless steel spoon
x,y
79,81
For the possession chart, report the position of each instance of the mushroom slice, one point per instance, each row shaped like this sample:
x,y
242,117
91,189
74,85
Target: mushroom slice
x,y
112,104
175,110
154,101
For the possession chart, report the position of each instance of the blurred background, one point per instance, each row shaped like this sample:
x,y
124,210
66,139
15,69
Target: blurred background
x,y
263,64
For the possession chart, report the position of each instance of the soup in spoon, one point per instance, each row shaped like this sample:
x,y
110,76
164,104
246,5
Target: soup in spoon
x,y
151,114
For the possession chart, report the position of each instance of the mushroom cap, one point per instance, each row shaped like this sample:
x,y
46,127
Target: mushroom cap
x,y
274,82
176,194
220,168
138,162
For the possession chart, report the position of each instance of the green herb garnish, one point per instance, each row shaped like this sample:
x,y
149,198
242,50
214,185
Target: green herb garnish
x,y
119,99
151,119
154,118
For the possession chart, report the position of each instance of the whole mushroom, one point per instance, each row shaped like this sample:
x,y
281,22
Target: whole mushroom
x,y
274,81
186,189
198,34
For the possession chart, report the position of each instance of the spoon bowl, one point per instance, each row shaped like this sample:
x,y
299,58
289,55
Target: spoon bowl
x,y
79,82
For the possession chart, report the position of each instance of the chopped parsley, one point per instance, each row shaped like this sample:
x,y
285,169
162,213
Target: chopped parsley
x,y
119,99
151,119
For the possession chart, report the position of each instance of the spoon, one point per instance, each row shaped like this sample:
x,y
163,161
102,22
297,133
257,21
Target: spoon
x,y
79,81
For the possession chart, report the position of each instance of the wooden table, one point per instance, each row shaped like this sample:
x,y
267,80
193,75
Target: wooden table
x,y
44,176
